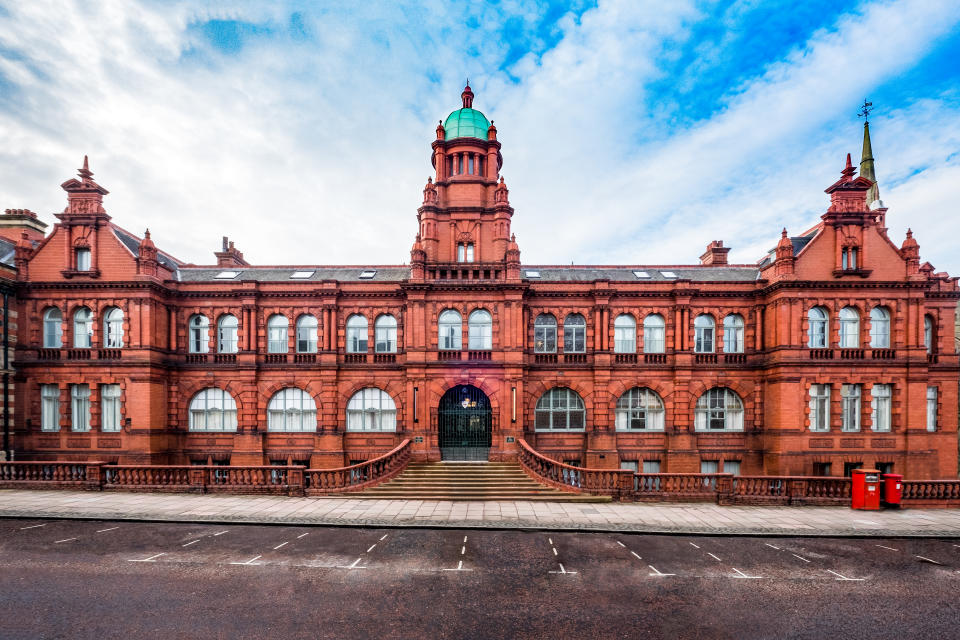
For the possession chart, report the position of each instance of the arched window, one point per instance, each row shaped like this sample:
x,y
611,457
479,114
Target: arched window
x,y
356,334
385,330
291,410
480,330
52,328
703,327
277,334
653,334
213,410
560,408
879,328
928,334
719,409
113,328
227,334
624,334
818,328
545,334
733,333
849,328
371,409
639,408
574,334
82,328
450,326
198,327
306,334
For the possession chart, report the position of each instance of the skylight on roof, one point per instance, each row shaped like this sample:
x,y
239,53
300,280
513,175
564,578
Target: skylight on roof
x,y
301,275
532,274
641,274
368,274
227,275
668,274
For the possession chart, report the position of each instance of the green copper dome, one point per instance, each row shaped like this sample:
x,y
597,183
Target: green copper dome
x,y
466,123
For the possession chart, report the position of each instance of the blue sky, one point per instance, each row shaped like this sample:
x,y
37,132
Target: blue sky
x,y
633,132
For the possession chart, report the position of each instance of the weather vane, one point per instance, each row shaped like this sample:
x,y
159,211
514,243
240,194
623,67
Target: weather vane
x,y
865,110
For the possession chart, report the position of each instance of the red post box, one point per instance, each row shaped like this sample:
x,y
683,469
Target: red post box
x,y
865,489
892,489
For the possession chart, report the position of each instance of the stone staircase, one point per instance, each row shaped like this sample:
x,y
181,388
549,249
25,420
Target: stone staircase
x,y
469,481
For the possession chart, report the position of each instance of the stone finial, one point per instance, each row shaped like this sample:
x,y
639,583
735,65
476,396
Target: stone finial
x,y
467,96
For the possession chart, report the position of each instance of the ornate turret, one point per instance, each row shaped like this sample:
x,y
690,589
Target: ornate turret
x,y
785,260
910,250
84,196
513,259
147,256
848,194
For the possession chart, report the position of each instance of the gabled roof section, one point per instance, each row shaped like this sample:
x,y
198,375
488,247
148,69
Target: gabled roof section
x,y
798,242
132,243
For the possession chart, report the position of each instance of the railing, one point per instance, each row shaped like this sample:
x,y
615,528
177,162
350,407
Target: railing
x,y
575,358
933,358
78,354
359,476
883,354
625,358
225,358
791,490
735,358
545,358
304,358
275,358
48,354
941,493
852,354
355,358
445,354
110,354
570,478
705,358
384,358
821,354
196,358
58,475
479,355
676,486
147,477
655,358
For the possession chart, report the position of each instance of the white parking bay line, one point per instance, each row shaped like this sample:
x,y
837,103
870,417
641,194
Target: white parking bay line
x,y
464,539
741,574
694,546
45,524
554,550
621,544
800,557
564,572
150,559
714,557
634,553
771,546
384,537
371,547
302,535
64,540
282,544
842,577
190,543
929,560
249,562
352,566
888,548
110,529
459,567
657,573
219,534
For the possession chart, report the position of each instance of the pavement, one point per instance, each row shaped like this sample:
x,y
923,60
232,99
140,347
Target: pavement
x,y
665,518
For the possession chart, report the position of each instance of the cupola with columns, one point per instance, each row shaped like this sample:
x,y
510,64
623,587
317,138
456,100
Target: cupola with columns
x,y
466,213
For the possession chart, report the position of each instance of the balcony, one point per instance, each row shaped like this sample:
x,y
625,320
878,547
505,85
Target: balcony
x,y
304,358
883,354
574,358
355,358
545,358
624,358
705,358
852,354
79,354
655,358
479,355
48,354
225,358
735,358
821,354
384,358
448,355
109,354
196,358
275,358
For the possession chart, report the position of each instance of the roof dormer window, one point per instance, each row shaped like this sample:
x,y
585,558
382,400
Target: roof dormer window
x,y
849,259
83,259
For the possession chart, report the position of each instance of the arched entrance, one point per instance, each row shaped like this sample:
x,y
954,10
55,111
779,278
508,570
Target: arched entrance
x,y
465,424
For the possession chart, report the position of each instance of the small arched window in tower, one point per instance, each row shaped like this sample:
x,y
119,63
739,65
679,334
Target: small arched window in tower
x,y
113,328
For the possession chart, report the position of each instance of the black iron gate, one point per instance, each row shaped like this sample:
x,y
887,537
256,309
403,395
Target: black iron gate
x,y
465,424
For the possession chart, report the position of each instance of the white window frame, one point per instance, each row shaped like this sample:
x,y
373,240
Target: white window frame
x,y
932,398
820,407
357,334
82,328
278,333
307,333
639,406
83,259
651,466
213,409
52,328
80,407
480,330
49,407
450,331
879,328
818,329
560,409
113,328
732,467
385,334
110,409
291,410
733,333
198,333
227,329
719,405
545,334
371,409
849,328
574,334
704,327
654,330
624,334
850,402
881,406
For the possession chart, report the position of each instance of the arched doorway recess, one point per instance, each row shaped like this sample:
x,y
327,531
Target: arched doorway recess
x,y
465,424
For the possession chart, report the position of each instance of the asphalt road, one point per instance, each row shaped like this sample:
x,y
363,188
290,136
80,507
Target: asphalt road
x,y
84,579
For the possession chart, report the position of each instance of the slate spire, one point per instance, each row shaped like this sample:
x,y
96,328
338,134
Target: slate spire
x,y
867,169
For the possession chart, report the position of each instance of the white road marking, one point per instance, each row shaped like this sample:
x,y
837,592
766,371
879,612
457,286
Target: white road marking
x,y
459,567
248,562
371,547
771,546
354,565
741,574
621,544
554,550
929,560
110,529
45,524
841,577
150,559
636,556
694,546
800,557
464,539
715,557
564,571
956,545
384,537
883,547
64,540
190,543
463,550
219,534
282,544
302,535
658,573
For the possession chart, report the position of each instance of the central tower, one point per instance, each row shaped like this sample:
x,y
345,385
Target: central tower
x,y
465,216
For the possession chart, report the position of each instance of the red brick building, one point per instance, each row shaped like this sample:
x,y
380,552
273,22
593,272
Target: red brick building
x,y
835,350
